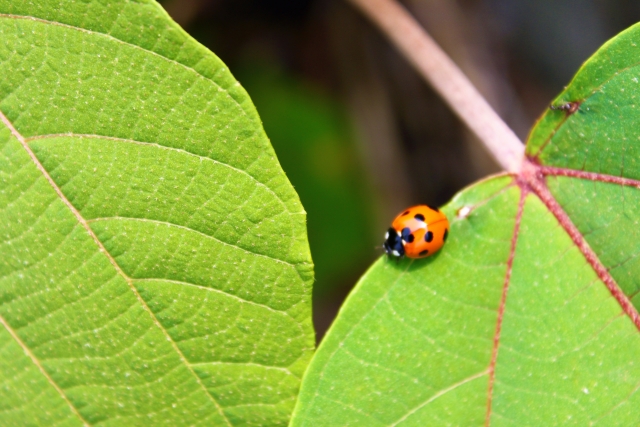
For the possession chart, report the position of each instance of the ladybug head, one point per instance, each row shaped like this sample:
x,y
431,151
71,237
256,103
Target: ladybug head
x,y
393,243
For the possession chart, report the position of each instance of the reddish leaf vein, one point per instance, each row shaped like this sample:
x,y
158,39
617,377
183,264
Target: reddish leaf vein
x,y
533,176
503,300
591,176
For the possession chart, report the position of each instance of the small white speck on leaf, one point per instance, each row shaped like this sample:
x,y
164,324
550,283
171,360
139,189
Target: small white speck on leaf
x,y
464,212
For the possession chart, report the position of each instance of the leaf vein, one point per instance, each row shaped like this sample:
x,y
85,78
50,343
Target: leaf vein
x,y
122,42
99,243
440,394
36,362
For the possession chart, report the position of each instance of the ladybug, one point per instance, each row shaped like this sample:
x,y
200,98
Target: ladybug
x,y
417,232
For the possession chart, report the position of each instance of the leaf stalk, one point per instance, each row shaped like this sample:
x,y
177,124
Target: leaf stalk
x,y
447,80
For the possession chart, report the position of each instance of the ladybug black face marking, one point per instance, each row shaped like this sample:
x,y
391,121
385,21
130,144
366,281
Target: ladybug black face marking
x,y
393,243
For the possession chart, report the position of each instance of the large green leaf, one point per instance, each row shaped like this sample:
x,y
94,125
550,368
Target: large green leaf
x,y
528,316
154,265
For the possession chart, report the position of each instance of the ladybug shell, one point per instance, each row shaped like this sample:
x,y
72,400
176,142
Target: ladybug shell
x,y
421,230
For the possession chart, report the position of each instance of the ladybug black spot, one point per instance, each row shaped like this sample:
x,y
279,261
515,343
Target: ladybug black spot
x,y
419,217
424,252
428,237
433,209
446,234
406,235
405,213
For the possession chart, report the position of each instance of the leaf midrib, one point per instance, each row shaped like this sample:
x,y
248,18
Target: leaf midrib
x,y
164,147
539,187
532,180
36,362
503,303
202,158
220,88
113,262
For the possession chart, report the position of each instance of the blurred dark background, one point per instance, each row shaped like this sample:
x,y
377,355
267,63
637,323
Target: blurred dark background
x,y
358,132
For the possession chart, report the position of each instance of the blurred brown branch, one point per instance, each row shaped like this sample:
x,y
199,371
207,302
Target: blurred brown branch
x,y
446,78
371,109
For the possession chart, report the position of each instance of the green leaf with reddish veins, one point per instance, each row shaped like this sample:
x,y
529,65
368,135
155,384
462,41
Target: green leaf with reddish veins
x,y
154,265
527,316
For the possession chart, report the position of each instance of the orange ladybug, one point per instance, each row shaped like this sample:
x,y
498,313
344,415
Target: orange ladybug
x,y
417,232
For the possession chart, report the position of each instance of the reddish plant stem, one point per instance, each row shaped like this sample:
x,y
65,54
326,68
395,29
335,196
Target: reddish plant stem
x,y
447,79
503,301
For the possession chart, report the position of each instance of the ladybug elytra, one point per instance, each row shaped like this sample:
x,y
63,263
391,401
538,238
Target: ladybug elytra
x,y
417,232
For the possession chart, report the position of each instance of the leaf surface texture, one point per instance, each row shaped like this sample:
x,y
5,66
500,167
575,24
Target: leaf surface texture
x,y
154,265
